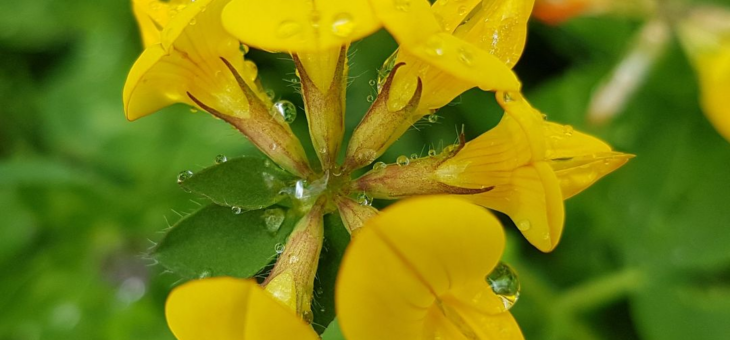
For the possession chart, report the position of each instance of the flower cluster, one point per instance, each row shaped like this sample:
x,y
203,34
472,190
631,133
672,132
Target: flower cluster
x,y
421,268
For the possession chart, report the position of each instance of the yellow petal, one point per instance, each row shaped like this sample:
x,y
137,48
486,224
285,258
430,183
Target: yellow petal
x,y
530,120
152,16
578,173
446,64
188,60
451,14
706,37
225,308
533,200
404,260
498,27
489,159
299,25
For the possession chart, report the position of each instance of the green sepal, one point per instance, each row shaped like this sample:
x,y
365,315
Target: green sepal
x,y
215,241
247,183
336,239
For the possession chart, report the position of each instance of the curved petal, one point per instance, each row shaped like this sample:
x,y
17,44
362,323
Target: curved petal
x,y
299,25
578,173
152,16
225,308
533,200
188,60
400,264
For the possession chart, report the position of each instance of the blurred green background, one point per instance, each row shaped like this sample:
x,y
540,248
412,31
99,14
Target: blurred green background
x,y
83,192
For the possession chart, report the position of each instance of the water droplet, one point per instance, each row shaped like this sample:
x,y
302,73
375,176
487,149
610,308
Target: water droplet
x,y
286,110
505,283
250,70
343,25
300,189
307,316
450,148
221,159
364,199
193,109
507,97
192,22
288,29
270,93
524,225
431,152
322,310
370,98
205,274
373,82
568,130
433,118
273,218
244,48
462,10
435,46
403,160
544,117
402,5
466,56
379,166
183,176
279,248
414,156
236,210
385,70
293,259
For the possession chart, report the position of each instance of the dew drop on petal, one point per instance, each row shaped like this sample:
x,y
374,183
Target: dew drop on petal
x,y
379,166
414,156
343,25
433,118
568,131
505,283
403,160
435,46
184,175
431,152
270,93
193,109
370,98
288,29
236,210
524,225
372,82
244,48
466,56
402,5
221,159
286,109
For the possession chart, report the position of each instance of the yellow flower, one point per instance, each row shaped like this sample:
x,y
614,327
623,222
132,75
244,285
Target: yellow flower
x,y
525,167
225,308
445,49
706,37
198,63
418,270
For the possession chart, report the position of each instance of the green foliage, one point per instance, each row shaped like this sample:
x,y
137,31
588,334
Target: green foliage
x,y
214,241
248,183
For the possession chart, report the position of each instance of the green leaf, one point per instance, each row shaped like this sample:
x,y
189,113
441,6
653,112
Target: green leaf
x,y
247,182
336,239
333,332
215,241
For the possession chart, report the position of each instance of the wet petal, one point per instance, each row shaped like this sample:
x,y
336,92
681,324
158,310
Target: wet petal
x,y
408,256
533,200
578,173
498,27
299,25
188,60
225,308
